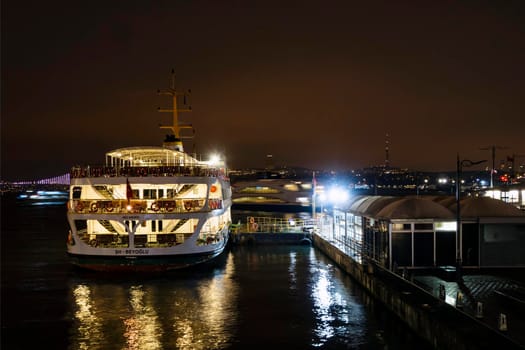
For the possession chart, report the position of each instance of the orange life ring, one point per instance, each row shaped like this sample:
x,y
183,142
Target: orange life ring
x,y
93,208
213,188
109,207
155,206
170,206
188,205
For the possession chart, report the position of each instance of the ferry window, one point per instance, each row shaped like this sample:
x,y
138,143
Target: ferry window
x,y
149,193
130,225
171,193
160,225
77,191
153,226
136,194
81,225
161,193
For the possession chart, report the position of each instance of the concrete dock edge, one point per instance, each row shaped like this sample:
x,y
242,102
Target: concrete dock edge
x,y
441,324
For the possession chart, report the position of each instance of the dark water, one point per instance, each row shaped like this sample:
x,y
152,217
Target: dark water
x,y
251,297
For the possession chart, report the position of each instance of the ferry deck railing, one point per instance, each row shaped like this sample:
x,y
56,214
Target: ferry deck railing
x,y
273,225
141,171
136,206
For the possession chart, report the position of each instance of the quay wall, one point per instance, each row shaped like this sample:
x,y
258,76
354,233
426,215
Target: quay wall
x,y
441,324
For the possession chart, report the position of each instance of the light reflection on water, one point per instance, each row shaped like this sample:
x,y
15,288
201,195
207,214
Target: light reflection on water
x,y
90,326
143,316
336,311
287,296
265,295
142,327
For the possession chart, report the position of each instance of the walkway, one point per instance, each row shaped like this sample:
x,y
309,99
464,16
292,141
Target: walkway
x,y
496,294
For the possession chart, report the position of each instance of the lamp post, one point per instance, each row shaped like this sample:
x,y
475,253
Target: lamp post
x,y
314,214
459,232
314,194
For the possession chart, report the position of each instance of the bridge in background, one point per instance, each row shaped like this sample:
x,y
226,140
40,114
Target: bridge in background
x,y
55,180
60,182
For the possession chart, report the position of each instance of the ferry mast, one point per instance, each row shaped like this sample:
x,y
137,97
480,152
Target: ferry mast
x,y
174,140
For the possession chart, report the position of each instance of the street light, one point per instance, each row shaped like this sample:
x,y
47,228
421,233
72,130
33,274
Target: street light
x,y
459,234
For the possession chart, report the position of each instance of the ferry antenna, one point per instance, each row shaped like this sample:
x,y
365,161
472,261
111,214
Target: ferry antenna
x,y
176,126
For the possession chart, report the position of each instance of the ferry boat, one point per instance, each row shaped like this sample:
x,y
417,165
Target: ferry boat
x,y
149,208
272,194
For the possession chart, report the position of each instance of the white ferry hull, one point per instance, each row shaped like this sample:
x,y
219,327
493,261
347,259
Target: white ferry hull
x,y
144,263
187,223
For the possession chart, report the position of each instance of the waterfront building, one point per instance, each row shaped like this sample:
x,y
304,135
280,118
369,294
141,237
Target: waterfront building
x,y
420,231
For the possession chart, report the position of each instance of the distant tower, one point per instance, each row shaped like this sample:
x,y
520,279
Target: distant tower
x,y
269,162
387,159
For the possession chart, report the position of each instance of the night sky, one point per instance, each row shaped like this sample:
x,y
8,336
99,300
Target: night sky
x,y
317,84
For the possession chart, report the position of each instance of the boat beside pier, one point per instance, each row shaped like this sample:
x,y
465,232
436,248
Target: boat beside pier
x,y
272,230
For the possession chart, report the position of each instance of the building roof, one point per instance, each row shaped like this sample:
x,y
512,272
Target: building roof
x,y
486,207
415,208
431,207
365,204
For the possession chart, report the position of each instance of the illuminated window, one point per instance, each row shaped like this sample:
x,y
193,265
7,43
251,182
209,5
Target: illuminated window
x,y
446,226
259,189
291,187
401,227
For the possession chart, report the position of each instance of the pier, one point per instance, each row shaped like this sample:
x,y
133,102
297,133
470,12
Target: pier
x,y
472,309
475,307
429,305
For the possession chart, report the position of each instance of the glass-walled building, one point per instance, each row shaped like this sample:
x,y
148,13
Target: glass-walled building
x,y
420,232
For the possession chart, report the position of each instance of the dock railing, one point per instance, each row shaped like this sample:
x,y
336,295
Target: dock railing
x,y
263,224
